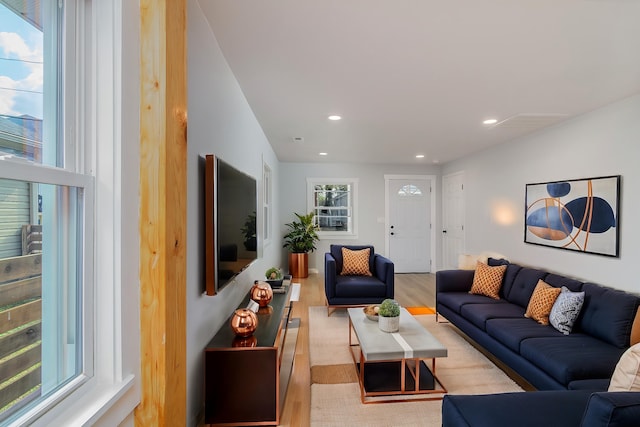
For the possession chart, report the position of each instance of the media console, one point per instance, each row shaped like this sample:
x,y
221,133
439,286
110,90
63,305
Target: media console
x,y
243,377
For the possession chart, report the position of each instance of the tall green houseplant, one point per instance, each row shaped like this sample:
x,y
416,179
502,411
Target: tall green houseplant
x,y
300,240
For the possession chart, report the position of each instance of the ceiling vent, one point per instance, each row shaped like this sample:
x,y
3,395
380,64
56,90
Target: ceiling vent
x,y
298,139
530,121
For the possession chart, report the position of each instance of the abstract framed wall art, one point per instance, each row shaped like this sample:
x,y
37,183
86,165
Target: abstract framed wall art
x,y
580,215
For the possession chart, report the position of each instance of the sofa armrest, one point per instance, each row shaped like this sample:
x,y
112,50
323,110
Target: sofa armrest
x,y
536,408
454,280
384,271
612,409
329,275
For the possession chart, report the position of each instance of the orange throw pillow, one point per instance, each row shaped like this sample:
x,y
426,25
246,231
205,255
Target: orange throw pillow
x,y
541,302
355,263
487,280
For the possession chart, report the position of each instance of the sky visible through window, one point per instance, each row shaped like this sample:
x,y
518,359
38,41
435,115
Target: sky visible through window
x,y
21,70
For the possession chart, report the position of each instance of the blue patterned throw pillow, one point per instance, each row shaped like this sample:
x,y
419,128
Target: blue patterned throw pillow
x,y
565,310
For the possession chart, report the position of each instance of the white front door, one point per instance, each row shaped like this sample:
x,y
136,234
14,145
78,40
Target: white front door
x,y
452,219
409,223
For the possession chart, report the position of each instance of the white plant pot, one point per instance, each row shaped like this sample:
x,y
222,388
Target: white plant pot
x,y
389,324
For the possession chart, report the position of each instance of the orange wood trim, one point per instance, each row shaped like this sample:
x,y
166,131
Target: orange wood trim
x,y
163,192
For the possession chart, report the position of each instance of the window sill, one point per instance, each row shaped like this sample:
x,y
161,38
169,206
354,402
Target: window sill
x,y
95,406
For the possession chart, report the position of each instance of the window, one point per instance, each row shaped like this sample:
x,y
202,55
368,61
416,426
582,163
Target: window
x,y
334,204
266,203
48,137
409,190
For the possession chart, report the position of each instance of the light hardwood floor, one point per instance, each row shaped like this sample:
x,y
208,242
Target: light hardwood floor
x,y
411,290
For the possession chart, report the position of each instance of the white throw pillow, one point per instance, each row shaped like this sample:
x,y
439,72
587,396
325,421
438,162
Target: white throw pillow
x,y
626,377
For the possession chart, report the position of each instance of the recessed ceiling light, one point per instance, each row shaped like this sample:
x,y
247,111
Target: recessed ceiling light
x,y
323,154
436,161
334,117
419,156
490,122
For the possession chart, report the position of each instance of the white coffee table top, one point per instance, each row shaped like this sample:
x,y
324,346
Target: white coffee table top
x,y
412,341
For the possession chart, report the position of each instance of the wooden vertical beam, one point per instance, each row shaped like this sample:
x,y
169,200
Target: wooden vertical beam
x,y
163,193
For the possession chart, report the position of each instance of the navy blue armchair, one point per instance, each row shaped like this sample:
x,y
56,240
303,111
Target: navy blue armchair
x,y
353,291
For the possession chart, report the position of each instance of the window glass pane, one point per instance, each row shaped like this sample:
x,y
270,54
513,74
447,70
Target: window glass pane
x,y
332,206
409,190
40,289
28,80
41,225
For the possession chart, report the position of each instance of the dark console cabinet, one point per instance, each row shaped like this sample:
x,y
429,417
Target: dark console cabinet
x,y
242,382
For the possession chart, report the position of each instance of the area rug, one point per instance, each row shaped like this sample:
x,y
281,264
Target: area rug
x,y
335,394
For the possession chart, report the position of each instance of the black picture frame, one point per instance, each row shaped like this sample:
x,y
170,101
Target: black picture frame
x,y
582,215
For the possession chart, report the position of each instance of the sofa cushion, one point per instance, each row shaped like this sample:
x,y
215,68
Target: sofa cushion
x,y
626,376
511,332
509,277
478,314
355,263
542,300
359,286
523,285
571,357
487,280
593,384
608,314
560,281
565,310
455,300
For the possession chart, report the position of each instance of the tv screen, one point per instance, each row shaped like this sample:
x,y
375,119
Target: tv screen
x,y
230,222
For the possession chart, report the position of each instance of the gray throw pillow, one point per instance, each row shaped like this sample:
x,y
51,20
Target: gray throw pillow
x,y
565,310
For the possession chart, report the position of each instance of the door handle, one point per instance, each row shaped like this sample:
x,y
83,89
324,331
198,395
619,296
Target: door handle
x,y
444,231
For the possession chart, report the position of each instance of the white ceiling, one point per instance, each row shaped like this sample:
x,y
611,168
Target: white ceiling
x,y
419,76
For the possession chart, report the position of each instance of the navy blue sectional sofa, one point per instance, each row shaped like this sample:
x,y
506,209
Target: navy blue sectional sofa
x,y
582,361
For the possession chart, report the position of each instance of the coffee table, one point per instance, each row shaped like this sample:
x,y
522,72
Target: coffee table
x,y
391,364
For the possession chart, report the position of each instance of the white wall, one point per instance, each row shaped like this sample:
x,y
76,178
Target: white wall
x,y
371,199
601,143
221,123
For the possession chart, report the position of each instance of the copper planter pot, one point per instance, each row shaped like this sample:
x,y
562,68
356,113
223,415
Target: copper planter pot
x,y
299,265
244,322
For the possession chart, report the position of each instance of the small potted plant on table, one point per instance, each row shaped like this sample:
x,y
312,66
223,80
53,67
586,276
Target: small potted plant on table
x,y
389,316
274,277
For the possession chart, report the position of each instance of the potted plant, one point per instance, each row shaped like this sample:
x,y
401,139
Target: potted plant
x,y
389,316
273,276
249,232
300,240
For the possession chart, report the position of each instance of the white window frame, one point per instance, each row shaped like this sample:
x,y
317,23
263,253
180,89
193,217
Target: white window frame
x,y
352,233
93,144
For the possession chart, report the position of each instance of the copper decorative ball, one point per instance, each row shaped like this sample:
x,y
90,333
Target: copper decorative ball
x,y
261,293
244,322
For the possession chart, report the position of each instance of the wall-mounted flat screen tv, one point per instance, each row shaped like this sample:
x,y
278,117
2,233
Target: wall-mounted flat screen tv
x,y
230,222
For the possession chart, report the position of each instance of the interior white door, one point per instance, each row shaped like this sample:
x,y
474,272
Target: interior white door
x,y
409,233
452,219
